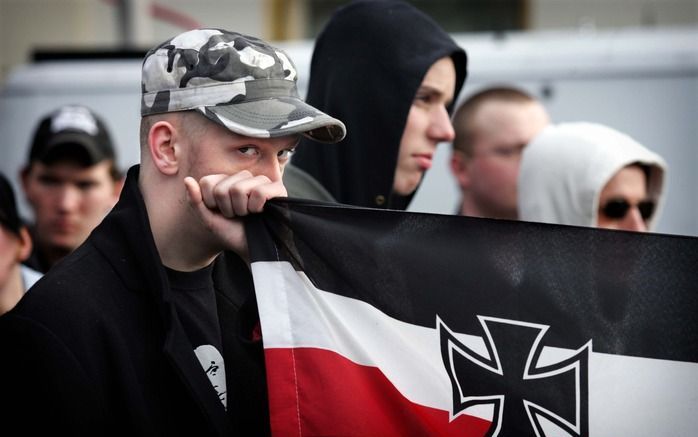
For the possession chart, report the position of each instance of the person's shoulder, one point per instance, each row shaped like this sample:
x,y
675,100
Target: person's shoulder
x,y
29,276
73,288
302,185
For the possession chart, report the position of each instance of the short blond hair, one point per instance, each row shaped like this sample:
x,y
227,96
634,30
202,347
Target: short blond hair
x,y
463,118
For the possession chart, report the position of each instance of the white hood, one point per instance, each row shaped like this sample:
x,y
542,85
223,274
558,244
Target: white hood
x,y
564,169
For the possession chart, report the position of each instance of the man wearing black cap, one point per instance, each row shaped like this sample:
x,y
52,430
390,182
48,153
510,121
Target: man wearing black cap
x,y
151,326
71,181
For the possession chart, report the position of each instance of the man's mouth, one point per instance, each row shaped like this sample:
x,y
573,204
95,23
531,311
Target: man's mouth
x,y
424,160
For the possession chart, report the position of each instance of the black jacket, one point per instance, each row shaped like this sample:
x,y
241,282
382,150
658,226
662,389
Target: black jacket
x,y
367,65
96,347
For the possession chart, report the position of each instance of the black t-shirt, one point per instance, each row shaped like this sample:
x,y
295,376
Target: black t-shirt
x,y
195,300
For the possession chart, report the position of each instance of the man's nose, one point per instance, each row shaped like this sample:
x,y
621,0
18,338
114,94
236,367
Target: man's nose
x,y
633,221
441,127
67,198
272,169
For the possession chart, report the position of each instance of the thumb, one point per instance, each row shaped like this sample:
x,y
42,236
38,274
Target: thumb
x,y
196,201
193,190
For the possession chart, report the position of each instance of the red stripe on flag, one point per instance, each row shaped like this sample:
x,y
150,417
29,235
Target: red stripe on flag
x,y
316,392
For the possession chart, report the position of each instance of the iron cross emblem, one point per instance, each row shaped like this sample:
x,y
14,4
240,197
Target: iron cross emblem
x,y
530,393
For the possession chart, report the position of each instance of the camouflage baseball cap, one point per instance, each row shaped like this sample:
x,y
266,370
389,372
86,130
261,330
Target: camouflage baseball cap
x,y
235,80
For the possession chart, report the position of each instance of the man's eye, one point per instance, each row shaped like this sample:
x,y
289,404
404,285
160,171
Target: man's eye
x,y
48,180
249,151
286,153
509,151
84,186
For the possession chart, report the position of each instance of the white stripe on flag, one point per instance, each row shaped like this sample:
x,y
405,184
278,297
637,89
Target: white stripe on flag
x,y
357,331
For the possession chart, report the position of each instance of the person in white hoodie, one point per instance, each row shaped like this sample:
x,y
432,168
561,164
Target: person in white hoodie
x,y
588,174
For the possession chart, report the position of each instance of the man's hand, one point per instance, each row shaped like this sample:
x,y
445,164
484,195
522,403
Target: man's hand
x,y
221,199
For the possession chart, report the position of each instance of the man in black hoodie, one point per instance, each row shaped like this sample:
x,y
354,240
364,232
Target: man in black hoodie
x,y
391,74
150,327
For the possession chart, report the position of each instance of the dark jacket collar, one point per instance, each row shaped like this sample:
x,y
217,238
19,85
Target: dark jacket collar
x,y
126,241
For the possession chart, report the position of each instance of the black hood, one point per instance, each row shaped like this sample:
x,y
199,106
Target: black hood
x,y
366,68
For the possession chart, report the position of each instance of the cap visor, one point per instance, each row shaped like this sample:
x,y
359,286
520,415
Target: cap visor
x,y
73,146
270,118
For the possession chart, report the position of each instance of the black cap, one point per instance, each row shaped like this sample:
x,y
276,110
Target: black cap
x,y
71,132
9,217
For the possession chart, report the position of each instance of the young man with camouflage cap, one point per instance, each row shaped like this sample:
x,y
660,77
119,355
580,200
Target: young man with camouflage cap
x,y
151,328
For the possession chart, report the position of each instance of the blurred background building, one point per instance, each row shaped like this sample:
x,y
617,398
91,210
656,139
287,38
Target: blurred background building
x,y
631,64
30,25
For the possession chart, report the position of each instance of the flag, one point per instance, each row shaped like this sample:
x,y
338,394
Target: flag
x,y
387,323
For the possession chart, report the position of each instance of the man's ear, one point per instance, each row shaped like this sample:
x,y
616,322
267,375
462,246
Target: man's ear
x,y
25,244
24,176
459,168
25,180
118,186
163,145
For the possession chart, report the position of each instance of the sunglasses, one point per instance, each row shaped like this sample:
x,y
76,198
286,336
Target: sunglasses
x,y
618,208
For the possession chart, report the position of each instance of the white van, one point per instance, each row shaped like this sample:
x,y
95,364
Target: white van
x,y
643,82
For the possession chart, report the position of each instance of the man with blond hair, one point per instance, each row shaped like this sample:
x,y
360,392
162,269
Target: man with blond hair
x,y
492,128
